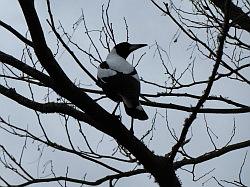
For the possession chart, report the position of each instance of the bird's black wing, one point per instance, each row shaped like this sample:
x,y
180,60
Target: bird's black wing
x,y
122,86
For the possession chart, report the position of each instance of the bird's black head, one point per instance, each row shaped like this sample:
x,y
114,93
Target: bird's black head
x,y
124,49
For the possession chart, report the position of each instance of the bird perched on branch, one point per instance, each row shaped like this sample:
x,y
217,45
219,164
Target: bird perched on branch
x,y
120,81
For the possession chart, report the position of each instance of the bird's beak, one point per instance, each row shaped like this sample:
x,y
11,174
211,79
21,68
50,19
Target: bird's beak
x,y
136,46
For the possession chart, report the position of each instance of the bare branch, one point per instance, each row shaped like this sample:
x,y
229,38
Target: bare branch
x,y
80,181
192,109
212,154
188,122
236,14
45,107
16,33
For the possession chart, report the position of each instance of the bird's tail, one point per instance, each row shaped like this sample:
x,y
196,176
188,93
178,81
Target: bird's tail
x,y
136,112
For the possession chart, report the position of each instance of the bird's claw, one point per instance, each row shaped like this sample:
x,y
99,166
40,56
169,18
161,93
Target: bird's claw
x,y
132,130
119,117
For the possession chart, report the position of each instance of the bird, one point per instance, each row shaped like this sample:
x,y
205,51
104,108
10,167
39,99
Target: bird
x,y
119,79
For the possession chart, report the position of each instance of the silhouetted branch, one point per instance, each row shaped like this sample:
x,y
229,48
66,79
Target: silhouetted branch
x,y
236,14
80,181
16,33
188,121
212,154
193,37
10,60
66,46
192,109
45,107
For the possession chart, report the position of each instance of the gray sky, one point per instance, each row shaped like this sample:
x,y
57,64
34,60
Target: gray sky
x,y
146,25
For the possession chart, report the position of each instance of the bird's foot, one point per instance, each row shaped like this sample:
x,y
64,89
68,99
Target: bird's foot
x,y
132,126
119,117
132,130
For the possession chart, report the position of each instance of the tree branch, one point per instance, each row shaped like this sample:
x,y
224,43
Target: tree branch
x,y
16,33
66,46
211,98
80,181
188,122
212,154
192,109
193,37
236,14
45,107
43,78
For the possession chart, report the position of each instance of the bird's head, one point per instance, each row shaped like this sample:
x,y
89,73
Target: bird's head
x,y
124,49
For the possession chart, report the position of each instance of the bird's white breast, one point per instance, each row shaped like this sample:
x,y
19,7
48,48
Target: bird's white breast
x,y
116,64
101,73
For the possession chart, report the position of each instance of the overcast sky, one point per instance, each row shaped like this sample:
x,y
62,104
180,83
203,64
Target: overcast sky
x,y
146,25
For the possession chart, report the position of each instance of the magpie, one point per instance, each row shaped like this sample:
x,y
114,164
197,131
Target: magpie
x,y
120,81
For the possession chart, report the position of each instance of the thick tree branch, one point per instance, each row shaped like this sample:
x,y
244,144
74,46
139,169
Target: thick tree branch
x,y
43,78
16,33
45,107
236,14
